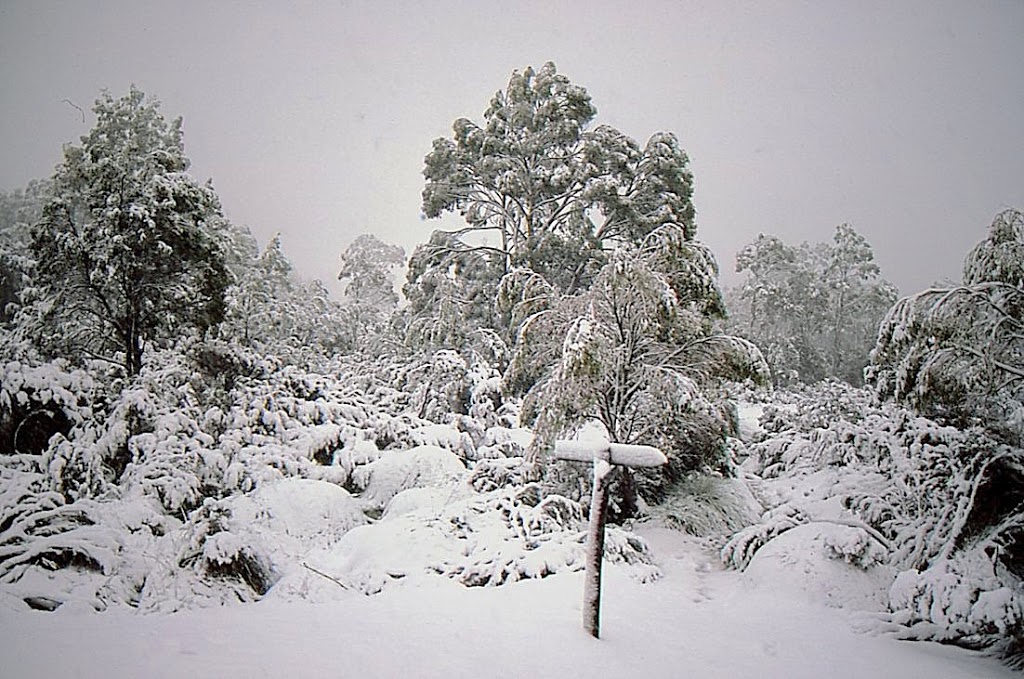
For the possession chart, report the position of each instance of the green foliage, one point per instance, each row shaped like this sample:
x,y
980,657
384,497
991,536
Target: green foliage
x,y
127,252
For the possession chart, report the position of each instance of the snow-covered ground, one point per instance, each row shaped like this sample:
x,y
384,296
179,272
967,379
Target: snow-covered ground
x,y
696,621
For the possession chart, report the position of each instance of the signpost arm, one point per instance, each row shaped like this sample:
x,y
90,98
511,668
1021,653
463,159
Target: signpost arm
x,y
603,455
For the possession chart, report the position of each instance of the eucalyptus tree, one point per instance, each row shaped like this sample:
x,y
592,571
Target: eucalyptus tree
x,y
636,352
814,309
368,267
540,189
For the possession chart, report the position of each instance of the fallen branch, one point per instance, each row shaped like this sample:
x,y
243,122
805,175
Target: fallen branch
x,y
339,583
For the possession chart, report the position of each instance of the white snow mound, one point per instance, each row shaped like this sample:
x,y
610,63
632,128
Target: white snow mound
x,y
809,562
430,501
395,471
294,515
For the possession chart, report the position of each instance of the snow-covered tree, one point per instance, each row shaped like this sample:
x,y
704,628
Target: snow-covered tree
x,y
368,266
271,310
857,298
451,289
19,210
813,309
774,306
635,352
258,305
127,252
540,190
958,352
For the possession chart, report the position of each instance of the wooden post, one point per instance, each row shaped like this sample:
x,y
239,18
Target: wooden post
x,y
603,455
595,549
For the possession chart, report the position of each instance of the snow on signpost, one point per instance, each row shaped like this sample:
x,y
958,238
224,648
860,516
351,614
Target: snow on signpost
x,y
603,454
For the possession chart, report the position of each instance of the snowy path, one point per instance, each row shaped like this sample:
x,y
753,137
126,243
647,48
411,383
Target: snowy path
x,y
693,623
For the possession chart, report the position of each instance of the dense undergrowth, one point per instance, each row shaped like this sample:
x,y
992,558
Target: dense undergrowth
x,y
190,483
218,475
941,505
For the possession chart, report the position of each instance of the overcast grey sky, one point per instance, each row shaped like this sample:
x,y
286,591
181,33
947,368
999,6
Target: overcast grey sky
x,y
901,118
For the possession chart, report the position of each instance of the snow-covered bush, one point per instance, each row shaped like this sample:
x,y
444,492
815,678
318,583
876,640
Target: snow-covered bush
x,y
39,528
395,471
933,494
38,401
804,562
856,547
216,551
215,473
484,539
444,436
695,443
963,599
491,474
439,387
740,548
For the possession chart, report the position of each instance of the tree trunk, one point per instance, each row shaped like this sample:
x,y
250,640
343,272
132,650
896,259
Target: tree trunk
x,y
133,351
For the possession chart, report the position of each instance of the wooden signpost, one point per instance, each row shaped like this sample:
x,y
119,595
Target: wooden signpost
x,y
603,455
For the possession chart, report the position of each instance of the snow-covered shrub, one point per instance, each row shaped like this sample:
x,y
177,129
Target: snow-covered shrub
x,y
696,443
856,546
485,539
814,406
439,387
444,436
741,547
707,506
934,494
40,529
39,401
487,399
804,562
398,470
354,453
291,516
216,551
493,473
430,500
505,442
963,599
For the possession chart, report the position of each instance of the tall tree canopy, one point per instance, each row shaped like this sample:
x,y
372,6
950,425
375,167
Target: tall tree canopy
x,y
579,246
368,266
129,250
539,189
